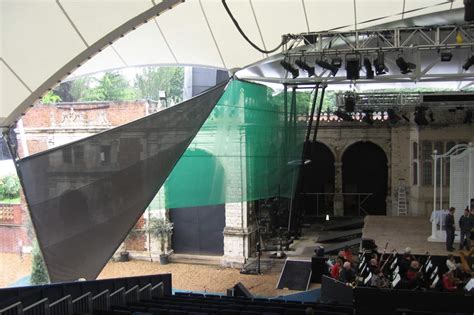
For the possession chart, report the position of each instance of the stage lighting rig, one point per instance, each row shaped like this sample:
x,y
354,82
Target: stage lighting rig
x,y
446,56
289,67
337,62
368,68
352,66
405,67
420,118
343,115
349,102
379,64
368,119
304,66
326,65
393,118
468,63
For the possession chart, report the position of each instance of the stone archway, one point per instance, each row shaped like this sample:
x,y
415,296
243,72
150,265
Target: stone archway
x,y
364,170
318,181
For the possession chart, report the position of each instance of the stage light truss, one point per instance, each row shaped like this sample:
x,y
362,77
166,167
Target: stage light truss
x,y
406,100
419,47
395,39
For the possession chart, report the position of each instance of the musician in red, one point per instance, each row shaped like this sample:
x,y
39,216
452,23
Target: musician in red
x,y
346,254
449,282
336,269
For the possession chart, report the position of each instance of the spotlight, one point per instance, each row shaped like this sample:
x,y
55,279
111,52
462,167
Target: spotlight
x,y
468,117
288,67
368,117
349,102
368,68
405,67
393,118
468,63
352,66
326,65
379,64
337,62
304,66
344,116
420,118
446,56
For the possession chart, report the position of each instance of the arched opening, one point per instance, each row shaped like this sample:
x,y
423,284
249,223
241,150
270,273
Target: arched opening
x,y
318,181
364,171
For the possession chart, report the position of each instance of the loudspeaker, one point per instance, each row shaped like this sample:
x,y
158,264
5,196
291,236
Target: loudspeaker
x,y
241,290
318,269
468,10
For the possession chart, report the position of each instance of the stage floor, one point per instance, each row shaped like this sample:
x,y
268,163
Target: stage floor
x,y
402,232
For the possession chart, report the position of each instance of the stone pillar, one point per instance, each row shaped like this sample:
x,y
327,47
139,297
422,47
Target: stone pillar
x,y
338,198
236,235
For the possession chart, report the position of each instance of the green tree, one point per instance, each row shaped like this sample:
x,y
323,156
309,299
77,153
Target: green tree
x,y
112,86
50,98
153,80
9,187
39,274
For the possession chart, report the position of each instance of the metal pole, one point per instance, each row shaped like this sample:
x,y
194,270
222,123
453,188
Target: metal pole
x,y
311,117
441,183
318,118
434,192
469,193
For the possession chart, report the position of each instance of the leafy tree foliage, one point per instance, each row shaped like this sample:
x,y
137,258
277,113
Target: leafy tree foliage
x,y
9,187
153,80
39,274
112,86
51,98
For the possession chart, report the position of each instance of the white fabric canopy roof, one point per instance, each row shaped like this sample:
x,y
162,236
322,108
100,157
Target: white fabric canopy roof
x,y
43,41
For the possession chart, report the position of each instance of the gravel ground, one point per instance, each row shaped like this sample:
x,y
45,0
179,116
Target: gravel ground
x,y
185,276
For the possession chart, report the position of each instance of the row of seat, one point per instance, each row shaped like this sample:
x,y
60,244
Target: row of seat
x,y
193,304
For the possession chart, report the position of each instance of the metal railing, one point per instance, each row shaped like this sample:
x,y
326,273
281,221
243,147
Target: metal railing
x,y
132,295
145,292
101,301
82,304
14,309
361,199
39,308
62,306
157,290
118,297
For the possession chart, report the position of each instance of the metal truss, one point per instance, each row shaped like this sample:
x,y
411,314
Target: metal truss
x,y
408,100
394,39
421,44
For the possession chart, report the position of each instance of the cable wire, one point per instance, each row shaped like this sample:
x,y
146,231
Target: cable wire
x,y
283,42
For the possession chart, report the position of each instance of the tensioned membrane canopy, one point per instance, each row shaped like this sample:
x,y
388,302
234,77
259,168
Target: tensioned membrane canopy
x,y
44,41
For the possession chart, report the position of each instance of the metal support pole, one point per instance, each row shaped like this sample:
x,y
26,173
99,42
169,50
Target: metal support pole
x,y
318,117
435,158
441,183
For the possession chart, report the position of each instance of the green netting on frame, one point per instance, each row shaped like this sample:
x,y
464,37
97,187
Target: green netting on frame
x,y
249,148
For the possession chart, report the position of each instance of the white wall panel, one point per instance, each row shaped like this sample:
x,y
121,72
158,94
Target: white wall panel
x,y
143,46
279,18
188,35
12,92
415,4
230,42
96,18
324,15
107,59
37,39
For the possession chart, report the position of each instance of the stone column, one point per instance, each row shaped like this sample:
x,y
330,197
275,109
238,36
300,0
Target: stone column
x,y
236,235
338,198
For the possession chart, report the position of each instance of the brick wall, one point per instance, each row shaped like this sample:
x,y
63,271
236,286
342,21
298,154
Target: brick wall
x,y
13,234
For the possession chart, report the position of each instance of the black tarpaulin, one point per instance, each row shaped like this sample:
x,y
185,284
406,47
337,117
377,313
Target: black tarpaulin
x,y
86,196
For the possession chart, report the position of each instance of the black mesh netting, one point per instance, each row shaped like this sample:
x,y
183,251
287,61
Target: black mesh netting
x,y
84,197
